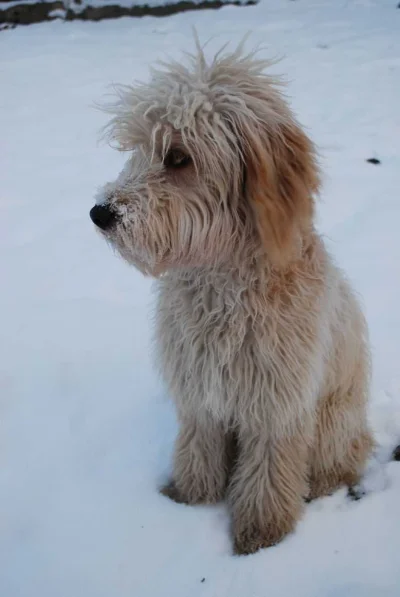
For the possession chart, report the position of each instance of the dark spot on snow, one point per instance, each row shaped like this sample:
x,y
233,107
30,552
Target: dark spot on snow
x,y
202,580
355,493
373,161
396,453
322,46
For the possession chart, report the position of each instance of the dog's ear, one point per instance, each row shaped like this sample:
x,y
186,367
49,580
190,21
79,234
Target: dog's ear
x,y
281,178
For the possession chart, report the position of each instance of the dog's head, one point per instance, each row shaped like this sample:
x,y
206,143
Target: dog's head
x,y
219,170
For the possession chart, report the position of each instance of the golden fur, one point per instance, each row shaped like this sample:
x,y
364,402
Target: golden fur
x,y
260,338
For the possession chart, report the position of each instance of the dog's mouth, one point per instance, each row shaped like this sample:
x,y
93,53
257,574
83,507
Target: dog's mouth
x,y
120,236
119,240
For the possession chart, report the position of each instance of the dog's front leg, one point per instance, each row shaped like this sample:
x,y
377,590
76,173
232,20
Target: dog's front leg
x,y
201,463
267,489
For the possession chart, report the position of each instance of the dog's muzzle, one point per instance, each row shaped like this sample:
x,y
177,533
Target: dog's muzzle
x,y
102,216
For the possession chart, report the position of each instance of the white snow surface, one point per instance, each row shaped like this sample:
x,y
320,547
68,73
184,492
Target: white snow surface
x,y
87,429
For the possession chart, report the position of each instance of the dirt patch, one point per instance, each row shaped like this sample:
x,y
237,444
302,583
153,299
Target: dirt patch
x,y
25,14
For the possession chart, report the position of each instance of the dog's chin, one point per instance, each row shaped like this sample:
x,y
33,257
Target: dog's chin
x,y
141,263
154,266
152,271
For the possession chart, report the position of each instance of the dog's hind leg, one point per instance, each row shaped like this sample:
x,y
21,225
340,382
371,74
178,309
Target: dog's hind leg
x,y
202,462
343,440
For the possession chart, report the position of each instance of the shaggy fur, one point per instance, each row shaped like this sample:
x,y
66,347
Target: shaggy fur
x,y
260,338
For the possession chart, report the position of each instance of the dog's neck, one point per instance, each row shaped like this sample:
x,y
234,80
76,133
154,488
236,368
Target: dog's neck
x,y
253,273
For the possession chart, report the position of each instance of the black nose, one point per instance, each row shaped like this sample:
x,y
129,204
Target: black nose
x,y
102,216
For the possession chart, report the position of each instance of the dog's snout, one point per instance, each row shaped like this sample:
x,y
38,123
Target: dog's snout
x,y
102,216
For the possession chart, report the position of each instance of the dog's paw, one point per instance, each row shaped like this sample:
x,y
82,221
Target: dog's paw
x,y
196,495
327,483
250,539
172,492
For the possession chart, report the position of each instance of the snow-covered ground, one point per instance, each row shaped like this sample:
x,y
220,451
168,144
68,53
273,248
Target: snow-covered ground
x,y
86,427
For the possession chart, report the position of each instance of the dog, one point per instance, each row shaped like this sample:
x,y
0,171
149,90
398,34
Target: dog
x,y
261,340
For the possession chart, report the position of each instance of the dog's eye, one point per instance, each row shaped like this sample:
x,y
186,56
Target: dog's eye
x,y
176,158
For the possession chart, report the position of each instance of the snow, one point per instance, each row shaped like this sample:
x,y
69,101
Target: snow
x,y
87,430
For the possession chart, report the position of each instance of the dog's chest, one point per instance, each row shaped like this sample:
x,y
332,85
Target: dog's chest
x,y
207,335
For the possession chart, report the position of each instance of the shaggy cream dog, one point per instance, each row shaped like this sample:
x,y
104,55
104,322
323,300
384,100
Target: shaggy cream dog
x,y
261,340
